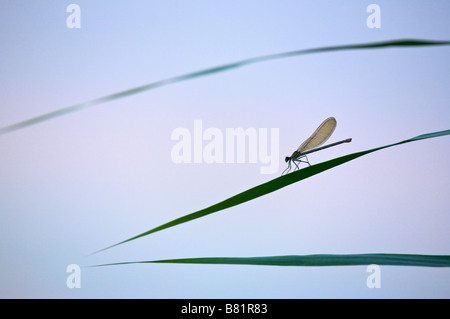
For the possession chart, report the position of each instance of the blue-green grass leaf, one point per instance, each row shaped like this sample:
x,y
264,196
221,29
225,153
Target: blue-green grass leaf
x,y
214,70
311,260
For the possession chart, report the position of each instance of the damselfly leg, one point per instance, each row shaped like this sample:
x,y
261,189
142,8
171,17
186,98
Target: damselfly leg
x,y
296,162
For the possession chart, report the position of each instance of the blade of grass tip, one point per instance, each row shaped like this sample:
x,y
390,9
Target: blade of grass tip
x,y
273,185
310,260
213,70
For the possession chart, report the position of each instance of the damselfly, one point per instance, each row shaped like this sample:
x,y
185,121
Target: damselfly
x,y
320,135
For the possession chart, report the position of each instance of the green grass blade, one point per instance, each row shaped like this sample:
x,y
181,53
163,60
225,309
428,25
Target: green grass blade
x,y
312,260
213,70
275,184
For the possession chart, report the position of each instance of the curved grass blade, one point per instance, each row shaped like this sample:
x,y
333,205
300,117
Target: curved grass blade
x,y
273,185
213,70
312,260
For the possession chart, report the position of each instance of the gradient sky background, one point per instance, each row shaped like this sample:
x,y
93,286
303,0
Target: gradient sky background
x,y
79,183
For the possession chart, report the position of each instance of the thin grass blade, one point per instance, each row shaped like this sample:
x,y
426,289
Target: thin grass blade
x,y
273,185
214,70
312,260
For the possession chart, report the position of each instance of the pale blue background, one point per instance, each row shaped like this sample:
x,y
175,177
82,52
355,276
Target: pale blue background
x,y
84,181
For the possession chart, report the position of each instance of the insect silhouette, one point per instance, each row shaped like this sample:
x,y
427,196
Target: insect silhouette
x,y
311,144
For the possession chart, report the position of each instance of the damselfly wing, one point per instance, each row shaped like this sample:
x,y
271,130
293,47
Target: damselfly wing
x,y
320,135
